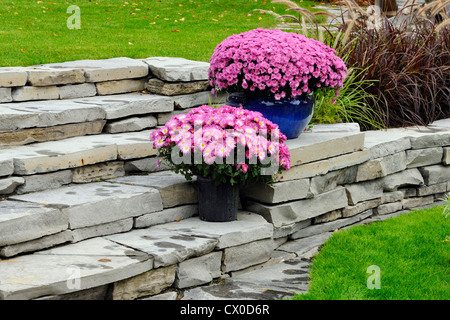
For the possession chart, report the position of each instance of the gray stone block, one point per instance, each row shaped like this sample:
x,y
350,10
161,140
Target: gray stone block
x,y
330,226
247,228
148,283
108,69
361,207
131,124
130,104
59,155
46,181
54,133
381,167
9,185
411,203
433,189
159,87
46,76
102,230
198,271
277,192
166,216
446,157
331,180
177,69
13,77
385,142
303,245
408,177
37,244
28,93
75,267
389,208
187,101
21,221
363,191
311,147
423,157
165,246
11,119
246,255
5,95
174,188
100,171
435,174
74,91
292,212
98,203
57,112
120,86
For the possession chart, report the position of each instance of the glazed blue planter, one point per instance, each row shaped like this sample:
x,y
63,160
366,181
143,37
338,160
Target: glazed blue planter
x,y
291,115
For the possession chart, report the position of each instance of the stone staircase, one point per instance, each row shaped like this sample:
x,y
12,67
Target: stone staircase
x,y
85,213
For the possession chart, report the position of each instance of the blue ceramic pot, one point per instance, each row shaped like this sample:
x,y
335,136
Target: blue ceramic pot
x,y
291,115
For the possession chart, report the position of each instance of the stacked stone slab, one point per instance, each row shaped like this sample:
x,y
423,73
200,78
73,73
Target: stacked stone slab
x,y
62,100
76,221
340,181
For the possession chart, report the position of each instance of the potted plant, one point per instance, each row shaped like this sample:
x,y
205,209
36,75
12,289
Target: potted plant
x,y
275,72
225,148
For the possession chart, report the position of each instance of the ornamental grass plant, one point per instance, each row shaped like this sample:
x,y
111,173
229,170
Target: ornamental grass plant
x,y
228,145
403,62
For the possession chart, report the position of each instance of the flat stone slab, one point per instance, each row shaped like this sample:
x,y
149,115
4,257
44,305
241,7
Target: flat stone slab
x,y
247,228
22,221
310,147
59,155
287,213
13,76
166,247
98,203
175,190
233,290
75,152
177,69
70,268
56,112
105,70
128,104
289,276
11,119
64,131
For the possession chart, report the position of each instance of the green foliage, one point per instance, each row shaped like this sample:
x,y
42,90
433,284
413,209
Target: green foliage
x,y
411,250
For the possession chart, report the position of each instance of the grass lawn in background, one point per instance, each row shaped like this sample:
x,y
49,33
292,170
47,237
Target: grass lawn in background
x,y
35,32
410,255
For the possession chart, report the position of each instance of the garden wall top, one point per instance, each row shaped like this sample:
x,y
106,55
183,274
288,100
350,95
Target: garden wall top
x,y
84,78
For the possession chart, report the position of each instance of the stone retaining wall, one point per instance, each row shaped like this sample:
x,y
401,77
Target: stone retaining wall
x,y
333,186
139,234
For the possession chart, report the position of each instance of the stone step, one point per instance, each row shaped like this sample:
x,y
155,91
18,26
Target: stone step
x,y
74,152
108,259
75,212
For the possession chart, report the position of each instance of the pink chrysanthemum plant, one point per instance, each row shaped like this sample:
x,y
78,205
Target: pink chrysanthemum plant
x,y
227,144
276,63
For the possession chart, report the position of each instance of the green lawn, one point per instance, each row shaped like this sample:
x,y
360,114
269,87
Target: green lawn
x,y
412,252
34,32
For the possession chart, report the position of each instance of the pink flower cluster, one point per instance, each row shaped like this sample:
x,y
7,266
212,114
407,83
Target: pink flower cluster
x,y
280,63
216,132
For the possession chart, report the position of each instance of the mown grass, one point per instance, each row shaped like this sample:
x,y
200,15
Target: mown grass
x,y
412,252
34,32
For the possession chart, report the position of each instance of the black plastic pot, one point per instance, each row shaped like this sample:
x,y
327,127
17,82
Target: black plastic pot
x,y
217,203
